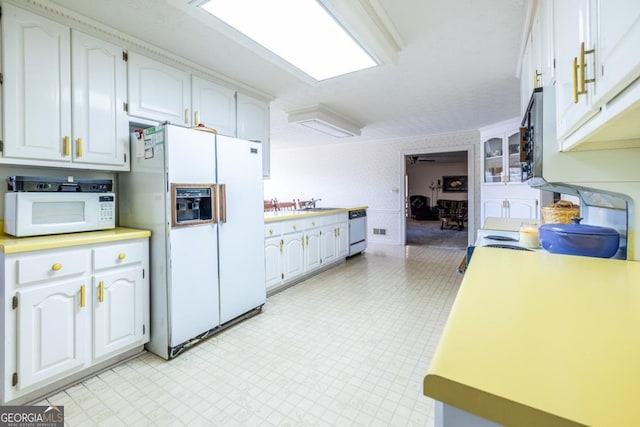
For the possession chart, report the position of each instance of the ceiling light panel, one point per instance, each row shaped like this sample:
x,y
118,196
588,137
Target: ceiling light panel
x,y
322,119
302,32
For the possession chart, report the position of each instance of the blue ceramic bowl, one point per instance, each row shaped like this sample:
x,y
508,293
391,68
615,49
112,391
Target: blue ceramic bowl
x,y
580,239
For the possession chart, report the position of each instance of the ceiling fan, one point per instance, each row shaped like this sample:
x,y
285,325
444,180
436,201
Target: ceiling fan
x,y
414,159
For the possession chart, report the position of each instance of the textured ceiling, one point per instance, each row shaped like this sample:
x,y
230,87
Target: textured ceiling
x,y
455,70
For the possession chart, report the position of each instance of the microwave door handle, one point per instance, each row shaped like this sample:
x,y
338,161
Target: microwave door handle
x,y
222,202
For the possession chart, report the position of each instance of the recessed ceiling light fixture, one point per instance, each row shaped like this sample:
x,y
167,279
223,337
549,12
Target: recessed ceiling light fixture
x,y
322,119
302,32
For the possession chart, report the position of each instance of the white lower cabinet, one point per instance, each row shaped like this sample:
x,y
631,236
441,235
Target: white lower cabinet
x,y
298,248
70,309
329,247
293,255
50,332
312,249
118,311
342,239
273,248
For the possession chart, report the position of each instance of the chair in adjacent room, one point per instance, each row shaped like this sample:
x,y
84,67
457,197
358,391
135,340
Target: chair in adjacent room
x,y
419,207
452,213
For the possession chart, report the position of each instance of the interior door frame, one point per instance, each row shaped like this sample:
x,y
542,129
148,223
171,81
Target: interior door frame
x,y
473,198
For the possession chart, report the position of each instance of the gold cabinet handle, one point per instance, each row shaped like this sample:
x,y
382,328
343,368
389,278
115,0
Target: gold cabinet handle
x,y
575,80
536,79
79,147
67,145
281,245
338,231
335,232
295,227
82,296
196,118
56,267
307,240
582,66
122,255
101,291
579,73
186,115
271,232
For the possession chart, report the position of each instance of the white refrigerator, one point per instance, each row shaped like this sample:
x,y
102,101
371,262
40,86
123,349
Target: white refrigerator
x,y
201,196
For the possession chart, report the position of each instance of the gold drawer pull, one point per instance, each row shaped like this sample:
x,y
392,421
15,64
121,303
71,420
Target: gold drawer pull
x,y
79,147
295,227
101,291
270,231
56,267
122,255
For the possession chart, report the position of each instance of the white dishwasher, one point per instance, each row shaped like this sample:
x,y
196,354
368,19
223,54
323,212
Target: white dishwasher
x,y
357,231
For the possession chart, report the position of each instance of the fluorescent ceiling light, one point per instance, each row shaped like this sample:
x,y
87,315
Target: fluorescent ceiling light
x,y
302,32
322,119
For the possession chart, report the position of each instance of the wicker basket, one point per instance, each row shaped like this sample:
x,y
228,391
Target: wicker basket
x,y
560,212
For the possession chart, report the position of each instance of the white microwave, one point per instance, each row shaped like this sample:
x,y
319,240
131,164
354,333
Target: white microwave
x,y
42,213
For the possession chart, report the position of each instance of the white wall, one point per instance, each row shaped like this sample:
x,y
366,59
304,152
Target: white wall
x,y
366,174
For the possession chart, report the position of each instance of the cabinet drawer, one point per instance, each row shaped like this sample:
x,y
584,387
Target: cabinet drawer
x,y
118,254
314,222
292,226
51,266
272,229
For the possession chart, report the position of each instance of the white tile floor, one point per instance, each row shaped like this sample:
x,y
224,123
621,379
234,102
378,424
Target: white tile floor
x,y
348,347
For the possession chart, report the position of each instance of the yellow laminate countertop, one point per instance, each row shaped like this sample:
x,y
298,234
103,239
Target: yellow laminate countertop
x,y
10,244
539,339
273,216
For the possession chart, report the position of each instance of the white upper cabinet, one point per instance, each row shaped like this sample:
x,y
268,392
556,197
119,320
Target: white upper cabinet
x,y
253,125
100,126
501,156
587,49
574,95
36,57
55,78
157,91
538,61
214,106
617,48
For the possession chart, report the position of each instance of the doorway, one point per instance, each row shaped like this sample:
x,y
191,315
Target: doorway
x,y
437,199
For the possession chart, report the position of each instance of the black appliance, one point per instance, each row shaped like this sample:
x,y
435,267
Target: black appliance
x,y
531,138
56,184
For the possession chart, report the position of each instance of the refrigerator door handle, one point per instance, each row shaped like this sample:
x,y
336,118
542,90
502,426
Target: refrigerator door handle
x,y
222,202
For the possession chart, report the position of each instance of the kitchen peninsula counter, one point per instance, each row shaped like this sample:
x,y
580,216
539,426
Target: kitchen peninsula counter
x,y
10,244
539,339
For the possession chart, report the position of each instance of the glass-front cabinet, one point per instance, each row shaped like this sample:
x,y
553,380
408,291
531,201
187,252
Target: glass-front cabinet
x,y
501,154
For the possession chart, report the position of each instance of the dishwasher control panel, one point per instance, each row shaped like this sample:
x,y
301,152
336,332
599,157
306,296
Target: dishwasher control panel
x,y
359,213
